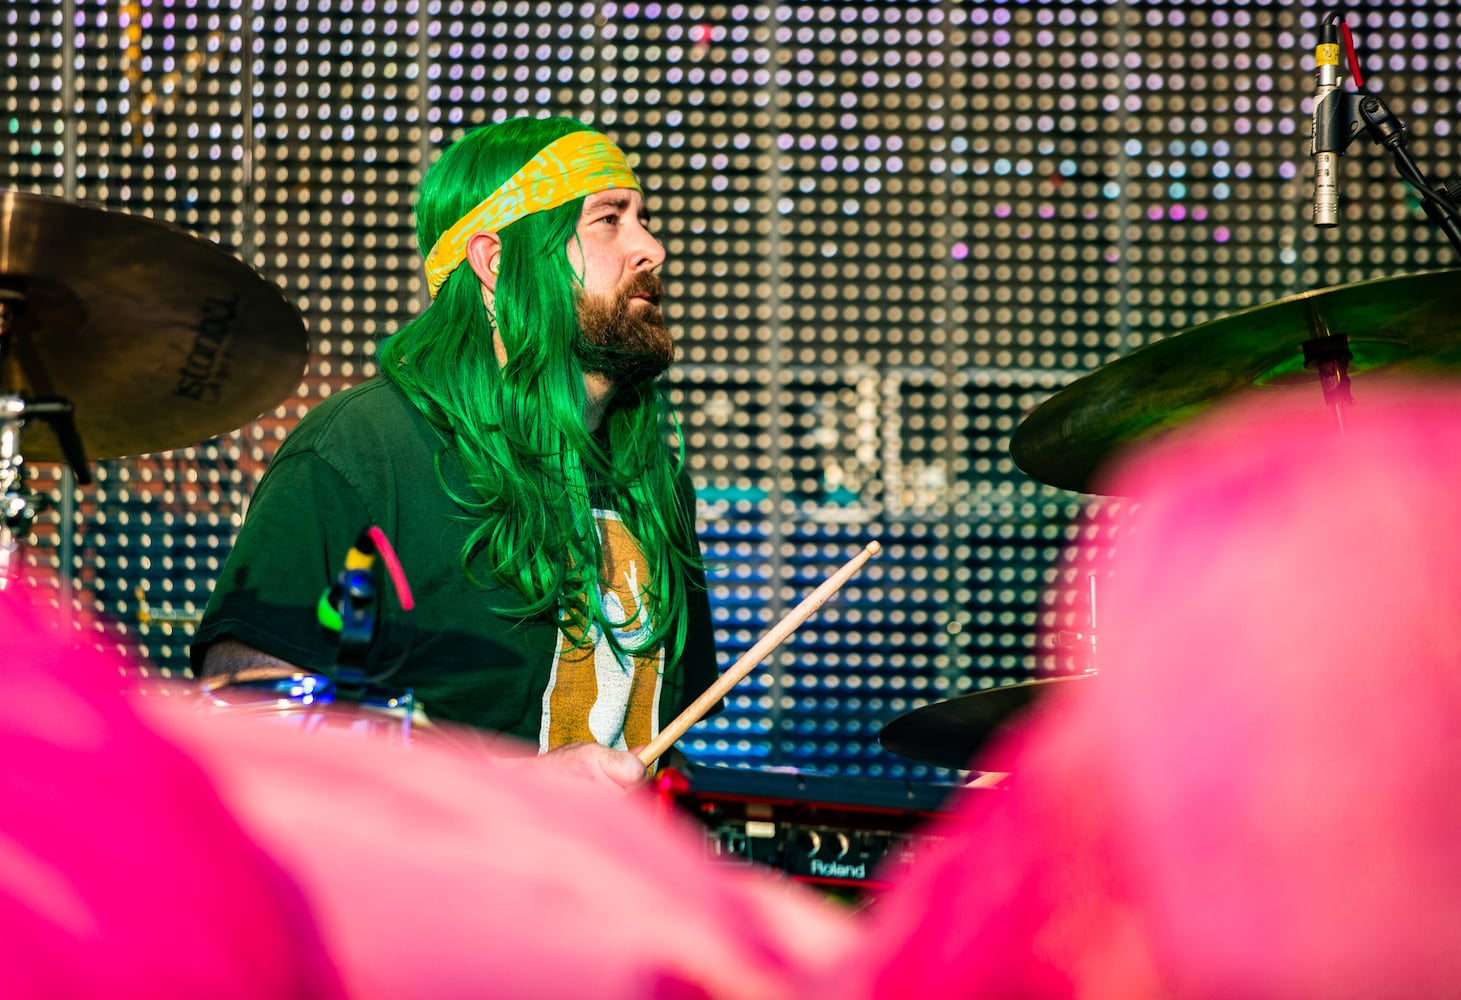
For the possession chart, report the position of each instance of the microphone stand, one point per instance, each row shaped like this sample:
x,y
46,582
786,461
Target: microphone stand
x,y
1388,131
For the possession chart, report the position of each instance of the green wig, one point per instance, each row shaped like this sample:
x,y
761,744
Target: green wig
x,y
534,469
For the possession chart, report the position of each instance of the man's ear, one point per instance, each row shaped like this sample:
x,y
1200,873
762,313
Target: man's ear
x,y
484,253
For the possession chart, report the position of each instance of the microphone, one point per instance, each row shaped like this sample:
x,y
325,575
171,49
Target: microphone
x,y
1327,139
1335,111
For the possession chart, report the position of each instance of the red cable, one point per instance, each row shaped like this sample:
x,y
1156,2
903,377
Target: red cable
x,y
393,567
1349,53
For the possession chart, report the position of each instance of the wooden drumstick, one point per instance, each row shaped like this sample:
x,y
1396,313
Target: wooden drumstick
x,y
753,656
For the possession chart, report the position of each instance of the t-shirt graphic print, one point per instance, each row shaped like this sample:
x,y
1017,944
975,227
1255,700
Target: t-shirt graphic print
x,y
596,694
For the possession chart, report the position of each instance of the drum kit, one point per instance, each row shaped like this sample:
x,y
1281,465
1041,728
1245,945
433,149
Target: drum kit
x,y
122,335
119,336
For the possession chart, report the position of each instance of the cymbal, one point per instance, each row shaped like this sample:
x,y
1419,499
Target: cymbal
x,y
158,338
1402,327
949,733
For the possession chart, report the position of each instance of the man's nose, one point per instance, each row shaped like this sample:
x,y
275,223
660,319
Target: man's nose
x,y
648,254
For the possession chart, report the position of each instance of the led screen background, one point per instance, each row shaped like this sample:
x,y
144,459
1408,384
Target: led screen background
x,y
892,229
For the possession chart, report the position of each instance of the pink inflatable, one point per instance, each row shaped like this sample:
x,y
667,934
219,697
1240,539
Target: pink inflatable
x,y
1257,797
152,845
122,872
439,869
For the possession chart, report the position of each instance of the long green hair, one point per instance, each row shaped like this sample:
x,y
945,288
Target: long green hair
x,y
535,472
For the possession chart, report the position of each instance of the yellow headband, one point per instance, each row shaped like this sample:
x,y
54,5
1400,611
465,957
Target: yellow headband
x,y
573,166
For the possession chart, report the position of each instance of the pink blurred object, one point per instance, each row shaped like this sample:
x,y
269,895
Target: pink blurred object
x,y
440,869
1258,797
155,845
121,872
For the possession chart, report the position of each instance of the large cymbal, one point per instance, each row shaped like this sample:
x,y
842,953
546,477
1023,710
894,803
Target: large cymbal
x,y
159,339
949,733
1402,327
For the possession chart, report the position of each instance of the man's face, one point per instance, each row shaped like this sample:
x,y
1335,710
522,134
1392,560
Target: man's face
x,y
624,333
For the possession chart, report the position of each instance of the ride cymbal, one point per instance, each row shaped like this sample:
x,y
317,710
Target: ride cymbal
x,y
158,338
949,733
1405,327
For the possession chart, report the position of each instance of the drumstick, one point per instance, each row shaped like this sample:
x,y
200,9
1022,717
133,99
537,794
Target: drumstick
x,y
754,656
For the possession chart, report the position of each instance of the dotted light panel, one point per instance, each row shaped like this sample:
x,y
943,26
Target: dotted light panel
x,y
892,229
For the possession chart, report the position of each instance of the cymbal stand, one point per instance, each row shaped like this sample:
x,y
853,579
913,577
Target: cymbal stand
x,y
17,509
1084,642
1328,355
1091,661
19,506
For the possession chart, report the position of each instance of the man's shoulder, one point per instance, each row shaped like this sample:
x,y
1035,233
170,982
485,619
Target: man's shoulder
x,y
370,414
376,395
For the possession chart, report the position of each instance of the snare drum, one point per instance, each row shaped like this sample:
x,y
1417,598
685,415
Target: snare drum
x,y
315,703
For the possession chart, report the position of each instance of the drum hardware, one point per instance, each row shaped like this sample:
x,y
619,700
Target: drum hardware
x,y
352,693
1387,330
1329,356
126,334
313,702
1085,641
952,732
351,609
18,505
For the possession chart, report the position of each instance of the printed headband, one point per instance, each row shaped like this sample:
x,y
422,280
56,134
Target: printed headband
x,y
573,166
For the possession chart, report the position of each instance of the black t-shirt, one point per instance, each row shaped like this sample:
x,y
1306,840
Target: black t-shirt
x,y
366,457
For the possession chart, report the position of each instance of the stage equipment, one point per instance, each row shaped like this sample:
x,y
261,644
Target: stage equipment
x,y
158,338
950,733
314,703
840,833
125,335
1388,329
1339,117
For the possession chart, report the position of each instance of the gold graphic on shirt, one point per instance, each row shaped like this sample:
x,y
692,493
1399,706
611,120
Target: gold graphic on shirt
x,y
597,694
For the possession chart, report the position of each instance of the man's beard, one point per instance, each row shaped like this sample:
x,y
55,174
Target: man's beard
x,y
625,341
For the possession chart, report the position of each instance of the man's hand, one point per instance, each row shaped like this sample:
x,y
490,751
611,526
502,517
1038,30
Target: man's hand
x,y
597,763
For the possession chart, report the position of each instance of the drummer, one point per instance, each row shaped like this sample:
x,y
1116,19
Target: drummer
x,y
512,452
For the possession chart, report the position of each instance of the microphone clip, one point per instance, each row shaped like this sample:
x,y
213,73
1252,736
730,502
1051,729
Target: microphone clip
x,y
355,596
1336,120
348,607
